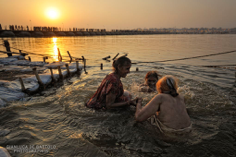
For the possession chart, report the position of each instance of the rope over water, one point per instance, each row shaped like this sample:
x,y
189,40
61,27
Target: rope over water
x,y
214,54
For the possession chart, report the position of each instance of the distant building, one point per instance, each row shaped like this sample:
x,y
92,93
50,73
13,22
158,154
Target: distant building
x,y
44,29
36,28
11,27
81,29
54,28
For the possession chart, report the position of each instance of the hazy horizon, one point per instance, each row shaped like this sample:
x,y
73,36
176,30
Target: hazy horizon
x,y
110,14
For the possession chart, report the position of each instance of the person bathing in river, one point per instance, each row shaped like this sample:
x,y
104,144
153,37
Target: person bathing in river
x,y
110,93
167,109
151,79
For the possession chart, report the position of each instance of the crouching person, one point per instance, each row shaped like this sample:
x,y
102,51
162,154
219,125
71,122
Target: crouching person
x,y
167,109
110,94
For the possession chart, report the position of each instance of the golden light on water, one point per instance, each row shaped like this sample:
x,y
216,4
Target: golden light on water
x,y
52,13
55,56
54,40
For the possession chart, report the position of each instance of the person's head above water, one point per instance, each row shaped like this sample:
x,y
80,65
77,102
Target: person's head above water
x,y
151,78
121,66
167,84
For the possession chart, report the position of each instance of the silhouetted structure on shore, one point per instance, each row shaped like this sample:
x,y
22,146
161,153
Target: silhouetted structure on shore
x,y
20,31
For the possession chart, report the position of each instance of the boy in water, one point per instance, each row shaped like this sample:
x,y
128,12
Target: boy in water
x,y
151,79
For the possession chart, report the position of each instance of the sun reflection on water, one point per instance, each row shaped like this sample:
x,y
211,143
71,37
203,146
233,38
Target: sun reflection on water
x,y
55,55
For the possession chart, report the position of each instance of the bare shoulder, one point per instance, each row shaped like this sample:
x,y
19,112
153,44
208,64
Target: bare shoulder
x,y
159,97
162,96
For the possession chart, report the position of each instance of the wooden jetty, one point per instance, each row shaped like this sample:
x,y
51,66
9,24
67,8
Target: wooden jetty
x,y
55,72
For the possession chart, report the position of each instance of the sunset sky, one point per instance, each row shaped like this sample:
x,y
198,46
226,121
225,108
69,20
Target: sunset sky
x,y
119,14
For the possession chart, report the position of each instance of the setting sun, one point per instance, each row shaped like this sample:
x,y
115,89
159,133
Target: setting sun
x,y
52,13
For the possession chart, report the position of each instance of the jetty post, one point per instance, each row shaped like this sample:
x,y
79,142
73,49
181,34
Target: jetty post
x,y
68,71
22,54
69,56
105,58
124,55
8,49
59,71
44,59
77,66
115,56
22,84
37,76
101,66
84,64
59,55
53,78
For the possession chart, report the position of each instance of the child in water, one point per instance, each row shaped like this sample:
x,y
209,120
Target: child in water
x,y
151,79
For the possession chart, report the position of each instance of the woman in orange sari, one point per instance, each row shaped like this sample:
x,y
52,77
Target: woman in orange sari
x,y
110,93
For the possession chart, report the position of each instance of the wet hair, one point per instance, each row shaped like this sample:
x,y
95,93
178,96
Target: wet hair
x,y
151,74
168,84
121,61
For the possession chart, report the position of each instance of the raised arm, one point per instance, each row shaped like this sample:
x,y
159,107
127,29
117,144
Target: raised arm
x,y
148,110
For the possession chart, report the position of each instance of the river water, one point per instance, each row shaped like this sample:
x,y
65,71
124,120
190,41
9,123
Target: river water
x,y
58,120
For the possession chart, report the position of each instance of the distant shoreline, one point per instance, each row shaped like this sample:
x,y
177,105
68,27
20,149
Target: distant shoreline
x,y
24,33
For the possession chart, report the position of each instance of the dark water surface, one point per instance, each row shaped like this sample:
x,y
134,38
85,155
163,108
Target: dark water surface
x,y
57,116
